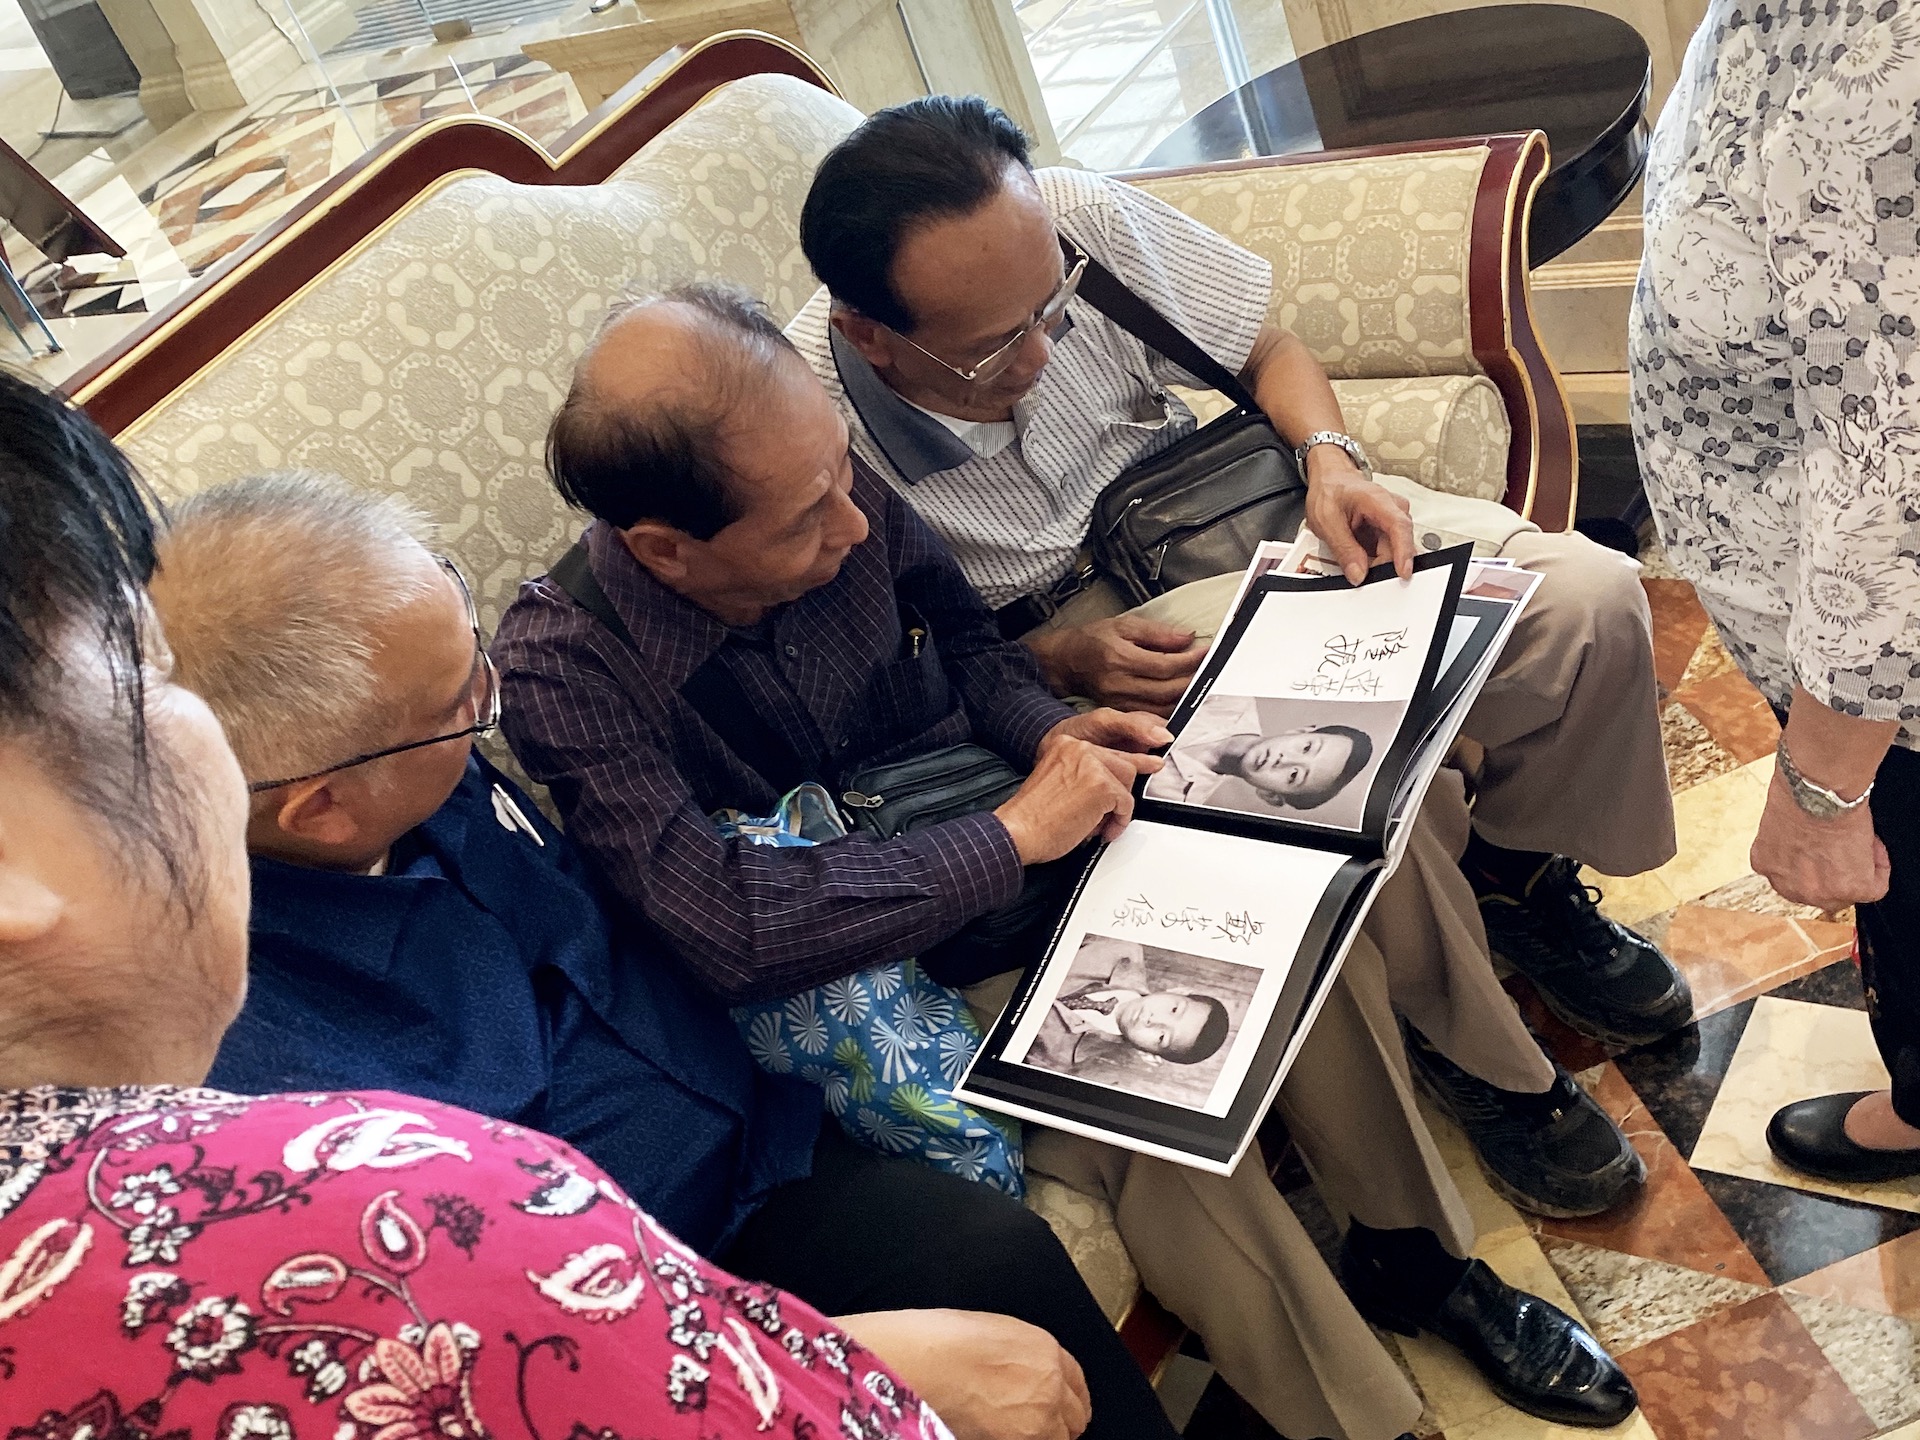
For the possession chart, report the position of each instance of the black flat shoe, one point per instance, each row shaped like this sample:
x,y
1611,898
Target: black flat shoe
x,y
1810,1136
1536,1357
1602,979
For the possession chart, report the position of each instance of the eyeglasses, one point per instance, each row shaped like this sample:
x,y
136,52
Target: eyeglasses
x,y
485,697
1046,318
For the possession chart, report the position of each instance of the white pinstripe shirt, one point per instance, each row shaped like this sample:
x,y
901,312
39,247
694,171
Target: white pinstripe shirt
x,y
1016,519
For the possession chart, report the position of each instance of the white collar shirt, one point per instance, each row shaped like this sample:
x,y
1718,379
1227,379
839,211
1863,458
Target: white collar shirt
x,y
1016,519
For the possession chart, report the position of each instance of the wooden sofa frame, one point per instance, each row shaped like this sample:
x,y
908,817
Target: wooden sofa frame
x,y
246,289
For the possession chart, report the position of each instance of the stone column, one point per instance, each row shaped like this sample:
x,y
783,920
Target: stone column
x,y
219,54
881,52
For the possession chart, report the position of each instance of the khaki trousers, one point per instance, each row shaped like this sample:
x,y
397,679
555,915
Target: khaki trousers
x,y
1229,1258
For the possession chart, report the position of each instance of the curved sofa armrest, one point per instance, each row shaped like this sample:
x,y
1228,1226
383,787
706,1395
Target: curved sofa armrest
x,y
354,207
1404,260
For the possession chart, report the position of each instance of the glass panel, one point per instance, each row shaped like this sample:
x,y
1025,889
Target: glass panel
x,y
1119,76
99,120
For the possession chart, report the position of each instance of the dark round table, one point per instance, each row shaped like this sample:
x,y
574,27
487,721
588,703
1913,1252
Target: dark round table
x,y
1577,74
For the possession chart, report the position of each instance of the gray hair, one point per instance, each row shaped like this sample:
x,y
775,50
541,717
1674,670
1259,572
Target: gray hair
x,y
270,590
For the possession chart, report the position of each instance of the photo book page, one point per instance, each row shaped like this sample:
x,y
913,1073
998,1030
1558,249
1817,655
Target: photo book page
x,y
1200,944
1310,703
1186,964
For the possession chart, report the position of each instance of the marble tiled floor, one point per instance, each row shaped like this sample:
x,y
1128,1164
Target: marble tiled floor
x,y
1746,1302
182,201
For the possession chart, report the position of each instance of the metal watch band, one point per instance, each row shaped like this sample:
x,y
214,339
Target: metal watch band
x,y
1816,800
1332,437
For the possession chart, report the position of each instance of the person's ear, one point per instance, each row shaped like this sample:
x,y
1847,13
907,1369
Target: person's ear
x,y
29,909
872,339
662,550
312,811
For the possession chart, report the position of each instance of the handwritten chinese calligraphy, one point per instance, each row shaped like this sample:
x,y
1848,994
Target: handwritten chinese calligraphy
x,y
1346,663
1236,927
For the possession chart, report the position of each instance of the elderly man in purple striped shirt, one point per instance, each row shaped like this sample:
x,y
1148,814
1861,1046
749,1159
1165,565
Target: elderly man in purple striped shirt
x,y
745,550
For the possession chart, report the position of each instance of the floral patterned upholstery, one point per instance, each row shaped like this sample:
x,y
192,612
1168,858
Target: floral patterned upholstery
x,y
1446,432
1369,256
430,362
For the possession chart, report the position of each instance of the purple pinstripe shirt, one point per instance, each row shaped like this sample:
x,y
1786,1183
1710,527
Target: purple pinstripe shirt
x,y
636,771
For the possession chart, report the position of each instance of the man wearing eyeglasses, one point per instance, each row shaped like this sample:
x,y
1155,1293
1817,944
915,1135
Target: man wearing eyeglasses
x,y
418,927
1000,407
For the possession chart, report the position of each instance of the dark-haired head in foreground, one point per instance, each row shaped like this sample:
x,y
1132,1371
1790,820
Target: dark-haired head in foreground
x,y
694,429
946,272
122,868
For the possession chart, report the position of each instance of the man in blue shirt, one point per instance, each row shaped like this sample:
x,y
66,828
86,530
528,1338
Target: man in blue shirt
x,y
419,926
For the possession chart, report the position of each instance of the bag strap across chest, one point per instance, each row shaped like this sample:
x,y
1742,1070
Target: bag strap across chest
x,y
712,690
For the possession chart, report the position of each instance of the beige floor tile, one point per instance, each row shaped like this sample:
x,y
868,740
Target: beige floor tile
x,y
1510,1424
1632,898
1792,1051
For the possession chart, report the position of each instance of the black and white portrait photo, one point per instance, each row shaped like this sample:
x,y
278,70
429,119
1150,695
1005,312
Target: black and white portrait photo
x,y
1307,760
1149,1021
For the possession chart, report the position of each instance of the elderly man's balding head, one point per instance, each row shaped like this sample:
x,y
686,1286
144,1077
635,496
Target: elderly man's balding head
x,y
695,429
663,389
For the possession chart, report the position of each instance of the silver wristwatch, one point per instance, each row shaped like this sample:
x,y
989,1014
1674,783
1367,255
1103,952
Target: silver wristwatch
x,y
1816,800
1332,437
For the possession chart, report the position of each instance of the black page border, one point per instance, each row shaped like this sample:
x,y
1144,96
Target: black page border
x,y
1370,839
1488,616
1207,1137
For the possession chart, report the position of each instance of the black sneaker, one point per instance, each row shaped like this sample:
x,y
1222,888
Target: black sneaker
x,y
1602,979
1556,1154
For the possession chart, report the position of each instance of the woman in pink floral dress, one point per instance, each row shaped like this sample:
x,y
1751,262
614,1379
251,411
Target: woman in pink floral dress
x,y
180,1264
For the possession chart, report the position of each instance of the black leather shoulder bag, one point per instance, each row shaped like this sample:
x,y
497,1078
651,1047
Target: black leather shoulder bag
x,y
1203,505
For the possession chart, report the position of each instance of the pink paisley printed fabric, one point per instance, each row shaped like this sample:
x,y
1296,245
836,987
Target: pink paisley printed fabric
x,y
180,1264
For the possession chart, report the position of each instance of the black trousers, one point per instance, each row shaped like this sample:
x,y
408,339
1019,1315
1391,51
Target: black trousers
x,y
1889,931
865,1232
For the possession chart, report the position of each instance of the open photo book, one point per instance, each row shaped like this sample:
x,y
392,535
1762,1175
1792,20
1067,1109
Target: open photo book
x,y
1199,946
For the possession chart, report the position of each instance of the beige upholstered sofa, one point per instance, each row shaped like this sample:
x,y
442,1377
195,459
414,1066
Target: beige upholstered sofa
x,y
414,327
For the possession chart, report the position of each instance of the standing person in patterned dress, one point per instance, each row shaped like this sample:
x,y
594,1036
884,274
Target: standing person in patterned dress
x,y
182,1263
1774,403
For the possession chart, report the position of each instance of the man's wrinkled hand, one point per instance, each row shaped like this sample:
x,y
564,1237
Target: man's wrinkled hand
x,y
1124,737
1361,521
1829,863
990,1377
1073,794
1125,662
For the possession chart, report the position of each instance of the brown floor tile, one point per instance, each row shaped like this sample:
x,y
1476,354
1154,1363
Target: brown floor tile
x,y
1678,624
1568,1046
1692,753
1747,1372
1885,1278
1734,714
1729,955
1672,1218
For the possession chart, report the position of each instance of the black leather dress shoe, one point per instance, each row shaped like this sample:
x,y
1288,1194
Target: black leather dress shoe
x,y
1811,1136
1556,1154
1536,1357
1601,978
